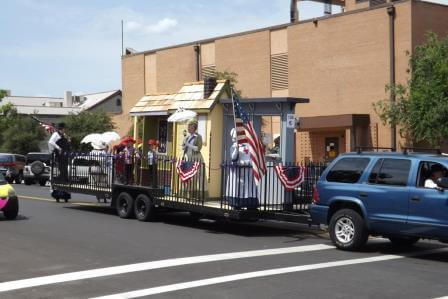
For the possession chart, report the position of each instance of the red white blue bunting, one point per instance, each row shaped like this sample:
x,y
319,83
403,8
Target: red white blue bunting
x,y
186,170
290,176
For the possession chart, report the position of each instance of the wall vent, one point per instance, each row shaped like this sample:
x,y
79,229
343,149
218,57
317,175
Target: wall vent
x,y
279,71
373,3
208,71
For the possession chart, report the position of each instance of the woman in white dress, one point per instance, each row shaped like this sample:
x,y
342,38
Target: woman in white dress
x,y
241,191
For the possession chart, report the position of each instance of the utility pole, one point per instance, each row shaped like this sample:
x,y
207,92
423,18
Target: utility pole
x,y
294,13
122,43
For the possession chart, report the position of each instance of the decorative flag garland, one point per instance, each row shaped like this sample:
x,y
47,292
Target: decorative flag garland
x,y
186,170
291,177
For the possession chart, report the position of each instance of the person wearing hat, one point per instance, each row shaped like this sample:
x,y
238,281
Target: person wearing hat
x,y
192,143
57,145
437,171
152,162
129,155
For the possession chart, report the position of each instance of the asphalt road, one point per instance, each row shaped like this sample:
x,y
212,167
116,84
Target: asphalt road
x,y
43,253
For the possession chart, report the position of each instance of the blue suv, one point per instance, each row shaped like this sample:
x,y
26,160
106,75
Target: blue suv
x,y
383,194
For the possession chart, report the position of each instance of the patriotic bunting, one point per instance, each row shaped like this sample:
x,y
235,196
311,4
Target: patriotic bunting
x,y
291,177
187,170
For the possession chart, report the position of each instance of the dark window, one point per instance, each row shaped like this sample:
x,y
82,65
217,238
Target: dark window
x,y
118,102
390,172
6,159
347,170
20,159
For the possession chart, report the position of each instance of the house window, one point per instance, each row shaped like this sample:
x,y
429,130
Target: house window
x,y
119,102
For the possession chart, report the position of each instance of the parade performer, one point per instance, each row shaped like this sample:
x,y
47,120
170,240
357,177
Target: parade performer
x,y
192,143
241,190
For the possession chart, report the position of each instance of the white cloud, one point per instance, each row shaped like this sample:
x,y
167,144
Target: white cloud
x,y
161,26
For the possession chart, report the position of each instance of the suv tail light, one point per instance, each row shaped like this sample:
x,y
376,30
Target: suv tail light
x,y
315,195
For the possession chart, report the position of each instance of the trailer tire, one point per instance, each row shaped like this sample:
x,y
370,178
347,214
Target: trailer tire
x,y
125,205
12,209
144,209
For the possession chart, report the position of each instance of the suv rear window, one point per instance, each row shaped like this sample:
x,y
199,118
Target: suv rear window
x,y
6,159
348,170
393,172
30,158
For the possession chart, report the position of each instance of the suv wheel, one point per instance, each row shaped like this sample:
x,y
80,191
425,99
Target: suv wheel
x,y
19,178
404,241
348,230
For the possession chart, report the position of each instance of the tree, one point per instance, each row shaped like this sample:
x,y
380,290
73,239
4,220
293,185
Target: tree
x,y
22,135
84,123
421,106
3,94
232,77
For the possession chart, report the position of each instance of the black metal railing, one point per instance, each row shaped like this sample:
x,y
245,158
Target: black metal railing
x,y
83,171
185,181
239,191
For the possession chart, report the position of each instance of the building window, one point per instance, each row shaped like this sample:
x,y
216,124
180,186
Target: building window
x,y
119,102
208,71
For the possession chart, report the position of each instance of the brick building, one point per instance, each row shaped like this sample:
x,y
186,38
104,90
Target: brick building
x,y
340,62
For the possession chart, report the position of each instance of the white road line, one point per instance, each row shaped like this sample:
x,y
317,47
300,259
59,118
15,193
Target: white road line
x,y
270,272
73,276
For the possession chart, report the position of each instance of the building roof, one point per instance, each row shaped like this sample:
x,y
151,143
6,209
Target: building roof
x,y
55,106
44,110
93,99
190,96
29,101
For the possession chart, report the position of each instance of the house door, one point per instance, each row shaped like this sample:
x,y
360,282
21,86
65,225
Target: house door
x,y
331,148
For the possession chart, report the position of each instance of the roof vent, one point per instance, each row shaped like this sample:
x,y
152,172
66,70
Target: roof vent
x,y
209,86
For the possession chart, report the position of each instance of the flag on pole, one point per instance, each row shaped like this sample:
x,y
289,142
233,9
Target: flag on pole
x,y
48,127
246,134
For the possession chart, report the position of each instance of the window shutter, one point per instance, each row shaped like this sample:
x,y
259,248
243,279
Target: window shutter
x,y
208,71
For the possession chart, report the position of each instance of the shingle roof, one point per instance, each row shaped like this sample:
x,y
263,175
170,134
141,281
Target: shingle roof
x,y
190,96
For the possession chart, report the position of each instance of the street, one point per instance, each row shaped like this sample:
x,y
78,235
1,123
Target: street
x,y
43,253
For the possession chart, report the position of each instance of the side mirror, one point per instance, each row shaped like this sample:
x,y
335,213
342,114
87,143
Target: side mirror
x,y
442,182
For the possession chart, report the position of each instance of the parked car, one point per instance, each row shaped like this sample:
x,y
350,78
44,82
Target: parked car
x,y
9,204
13,166
37,168
383,194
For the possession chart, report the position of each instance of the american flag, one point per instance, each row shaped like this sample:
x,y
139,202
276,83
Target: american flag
x,y
246,134
48,127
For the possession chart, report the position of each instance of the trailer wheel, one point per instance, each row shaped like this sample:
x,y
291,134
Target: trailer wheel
x,y
125,205
144,208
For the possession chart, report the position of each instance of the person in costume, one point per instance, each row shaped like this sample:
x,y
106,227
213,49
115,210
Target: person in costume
x,y
241,190
192,143
151,159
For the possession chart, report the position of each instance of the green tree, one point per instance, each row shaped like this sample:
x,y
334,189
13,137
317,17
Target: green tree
x,y
421,106
22,135
231,76
84,123
2,94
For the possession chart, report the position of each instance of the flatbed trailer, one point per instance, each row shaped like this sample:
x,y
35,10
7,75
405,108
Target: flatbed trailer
x,y
149,194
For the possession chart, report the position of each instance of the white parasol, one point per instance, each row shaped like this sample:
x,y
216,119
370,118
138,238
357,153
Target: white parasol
x,y
110,137
182,115
99,141
91,138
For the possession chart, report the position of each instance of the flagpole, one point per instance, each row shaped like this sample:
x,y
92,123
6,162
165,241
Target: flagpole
x,y
234,118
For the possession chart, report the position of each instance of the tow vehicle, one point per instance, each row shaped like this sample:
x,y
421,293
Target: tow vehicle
x,y
9,203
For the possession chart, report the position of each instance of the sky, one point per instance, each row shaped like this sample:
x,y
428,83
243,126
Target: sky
x,y
50,46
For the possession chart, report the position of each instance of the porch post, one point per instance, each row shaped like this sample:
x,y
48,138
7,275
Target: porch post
x,y
287,135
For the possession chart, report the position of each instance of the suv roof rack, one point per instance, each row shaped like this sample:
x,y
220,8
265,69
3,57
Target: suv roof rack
x,y
359,149
421,149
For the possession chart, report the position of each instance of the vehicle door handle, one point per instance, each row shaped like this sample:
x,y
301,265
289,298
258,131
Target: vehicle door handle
x,y
415,198
362,194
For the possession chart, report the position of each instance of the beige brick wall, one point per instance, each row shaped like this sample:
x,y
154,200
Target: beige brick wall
x,y
428,17
342,63
175,67
249,57
133,85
